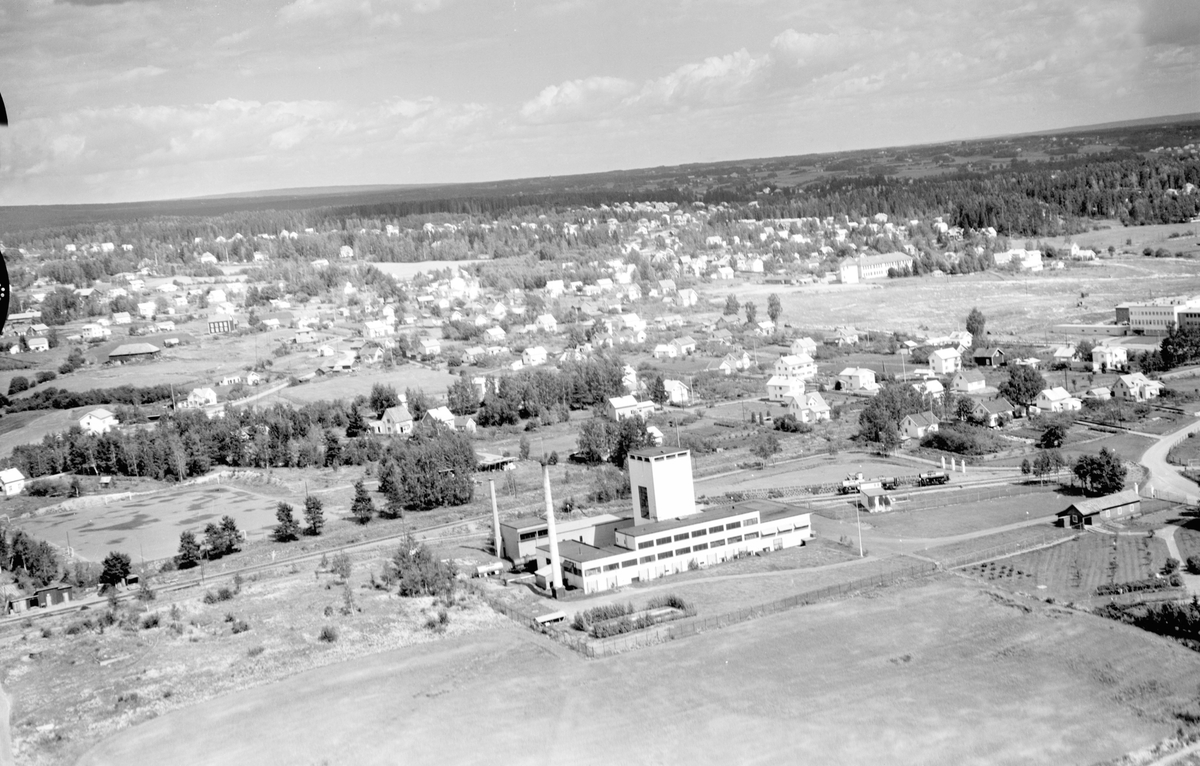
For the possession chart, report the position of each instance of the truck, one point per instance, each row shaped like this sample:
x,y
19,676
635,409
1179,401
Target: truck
x,y
888,482
931,478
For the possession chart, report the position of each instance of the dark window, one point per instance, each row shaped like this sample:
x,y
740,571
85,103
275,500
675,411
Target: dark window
x,y
646,560
716,543
683,550
645,544
590,572
644,502
663,540
749,522
700,547
665,555
683,536
631,562
611,567
733,525
751,535
735,539
714,530
698,533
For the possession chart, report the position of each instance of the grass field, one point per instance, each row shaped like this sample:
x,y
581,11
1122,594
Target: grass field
x,y
350,385
1072,571
968,517
1028,305
996,544
942,672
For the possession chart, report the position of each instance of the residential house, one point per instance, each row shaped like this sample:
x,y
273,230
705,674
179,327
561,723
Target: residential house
x,y
1109,358
685,346
439,416
842,336
1099,394
665,351
377,329
201,397
221,323
916,426
796,366
231,380
1056,399
95,332
808,407
945,361
395,420
1063,355
804,346
764,328
856,379
98,421
494,335
780,387
146,309
687,297
621,407
121,318
465,424
993,412
12,481
737,361
1136,387
932,388
533,356
429,346
968,382
38,345
988,357
677,392
546,323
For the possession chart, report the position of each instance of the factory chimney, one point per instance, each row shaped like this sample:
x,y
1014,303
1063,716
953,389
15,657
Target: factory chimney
x,y
498,546
555,565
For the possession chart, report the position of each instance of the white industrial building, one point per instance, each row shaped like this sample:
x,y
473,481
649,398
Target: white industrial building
x,y
667,534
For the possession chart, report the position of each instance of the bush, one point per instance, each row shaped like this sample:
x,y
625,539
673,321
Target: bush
x,y
1193,565
1171,566
584,620
672,601
46,376
341,566
418,573
151,621
256,650
328,634
46,488
239,626
224,593
962,439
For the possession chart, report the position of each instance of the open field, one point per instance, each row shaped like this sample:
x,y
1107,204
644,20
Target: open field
x,y
350,385
818,470
410,270
1028,306
149,525
84,686
961,519
33,426
1138,237
997,544
940,672
1072,571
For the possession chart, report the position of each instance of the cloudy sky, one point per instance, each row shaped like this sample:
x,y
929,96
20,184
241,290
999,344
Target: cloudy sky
x,y
119,100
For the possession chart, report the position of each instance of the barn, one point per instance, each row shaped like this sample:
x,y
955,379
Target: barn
x,y
1085,513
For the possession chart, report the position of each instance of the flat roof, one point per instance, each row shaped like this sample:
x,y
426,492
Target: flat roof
x,y
524,523
715,514
653,452
584,553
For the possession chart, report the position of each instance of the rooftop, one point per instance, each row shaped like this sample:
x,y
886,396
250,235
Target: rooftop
x,y
525,523
652,452
1098,504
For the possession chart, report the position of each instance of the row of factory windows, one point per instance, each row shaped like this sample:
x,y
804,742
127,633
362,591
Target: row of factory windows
x,y
697,533
685,550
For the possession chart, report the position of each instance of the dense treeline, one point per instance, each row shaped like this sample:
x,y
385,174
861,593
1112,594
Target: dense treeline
x,y
60,399
1180,621
548,394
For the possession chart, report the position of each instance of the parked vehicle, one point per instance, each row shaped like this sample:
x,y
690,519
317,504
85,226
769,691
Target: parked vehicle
x,y
930,478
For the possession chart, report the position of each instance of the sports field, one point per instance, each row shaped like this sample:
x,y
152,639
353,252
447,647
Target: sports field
x,y
944,672
148,526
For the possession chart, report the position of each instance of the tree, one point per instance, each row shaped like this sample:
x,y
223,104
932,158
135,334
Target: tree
x,y
1023,385
523,447
463,397
394,507
189,550
117,567
774,307
362,508
221,539
976,325
595,440
1047,462
1083,350
658,391
731,308
418,403
355,425
382,397
751,312
1053,437
766,447
288,529
1101,474
964,406
18,384
1026,467
889,439
885,411
631,434
314,515
333,450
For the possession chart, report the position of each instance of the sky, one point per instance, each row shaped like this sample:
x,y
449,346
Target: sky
x,y
124,100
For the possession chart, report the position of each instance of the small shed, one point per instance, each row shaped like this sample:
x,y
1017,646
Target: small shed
x,y
12,481
1085,513
874,499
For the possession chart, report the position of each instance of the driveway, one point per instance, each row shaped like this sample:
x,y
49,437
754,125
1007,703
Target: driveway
x,y
1165,477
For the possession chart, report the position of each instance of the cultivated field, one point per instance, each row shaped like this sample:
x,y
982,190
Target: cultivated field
x,y
1027,306
940,672
1073,570
149,525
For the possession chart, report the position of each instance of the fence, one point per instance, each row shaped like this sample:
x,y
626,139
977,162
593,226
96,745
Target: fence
x,y
1006,549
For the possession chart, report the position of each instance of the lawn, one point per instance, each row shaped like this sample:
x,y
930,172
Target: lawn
x,y
996,544
1073,570
349,385
938,672
822,469
966,517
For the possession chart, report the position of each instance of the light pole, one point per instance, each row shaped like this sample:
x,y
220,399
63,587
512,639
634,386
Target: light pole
x,y
858,521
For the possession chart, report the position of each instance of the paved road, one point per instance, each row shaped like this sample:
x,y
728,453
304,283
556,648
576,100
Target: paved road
x,y
1165,477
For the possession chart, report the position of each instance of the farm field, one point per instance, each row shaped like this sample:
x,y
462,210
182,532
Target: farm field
x,y
32,426
971,516
1155,236
1028,306
895,678
1073,570
149,525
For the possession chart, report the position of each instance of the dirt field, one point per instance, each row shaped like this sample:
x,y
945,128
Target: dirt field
x,y
70,690
939,673
1072,571
1028,306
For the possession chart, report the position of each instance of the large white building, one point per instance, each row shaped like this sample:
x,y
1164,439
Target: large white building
x,y
668,534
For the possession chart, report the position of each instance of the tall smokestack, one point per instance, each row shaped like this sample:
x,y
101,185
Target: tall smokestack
x,y
555,566
499,544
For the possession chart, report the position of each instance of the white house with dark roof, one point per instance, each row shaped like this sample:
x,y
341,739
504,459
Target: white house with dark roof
x,y
918,425
1136,387
1057,399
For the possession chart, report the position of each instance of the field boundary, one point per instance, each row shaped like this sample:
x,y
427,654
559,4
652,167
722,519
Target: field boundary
x,y
1006,550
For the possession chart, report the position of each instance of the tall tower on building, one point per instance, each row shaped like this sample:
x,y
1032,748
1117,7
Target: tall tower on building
x,y
660,480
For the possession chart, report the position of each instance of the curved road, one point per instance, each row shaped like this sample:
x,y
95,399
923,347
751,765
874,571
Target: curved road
x,y
1165,477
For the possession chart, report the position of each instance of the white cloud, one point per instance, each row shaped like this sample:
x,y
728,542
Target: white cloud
x,y
576,98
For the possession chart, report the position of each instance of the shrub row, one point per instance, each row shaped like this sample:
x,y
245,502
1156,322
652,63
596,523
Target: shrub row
x,y
1140,586
584,620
